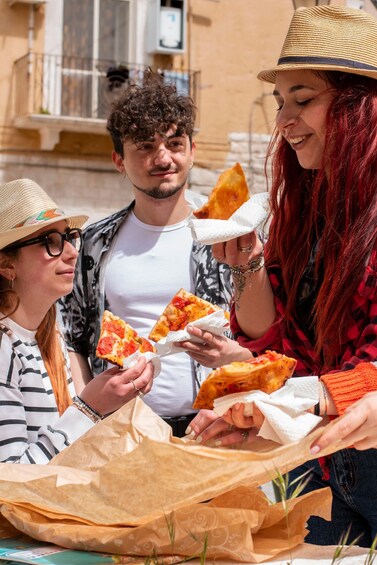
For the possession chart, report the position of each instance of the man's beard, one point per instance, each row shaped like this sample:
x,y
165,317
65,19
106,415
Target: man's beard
x,y
159,193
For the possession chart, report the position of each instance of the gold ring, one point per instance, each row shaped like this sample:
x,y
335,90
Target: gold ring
x,y
135,387
245,436
245,249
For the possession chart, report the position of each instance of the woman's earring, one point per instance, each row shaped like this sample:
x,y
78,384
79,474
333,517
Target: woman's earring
x,y
11,283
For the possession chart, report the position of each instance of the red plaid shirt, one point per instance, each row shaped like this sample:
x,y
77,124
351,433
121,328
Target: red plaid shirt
x,y
359,345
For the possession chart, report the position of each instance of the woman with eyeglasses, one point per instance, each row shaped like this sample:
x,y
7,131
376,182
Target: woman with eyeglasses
x,y
40,414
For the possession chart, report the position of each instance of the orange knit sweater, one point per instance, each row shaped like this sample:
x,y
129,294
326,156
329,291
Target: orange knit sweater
x,y
346,387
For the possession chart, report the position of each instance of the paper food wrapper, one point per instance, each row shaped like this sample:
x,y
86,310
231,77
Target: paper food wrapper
x,y
131,360
216,323
285,410
246,219
127,484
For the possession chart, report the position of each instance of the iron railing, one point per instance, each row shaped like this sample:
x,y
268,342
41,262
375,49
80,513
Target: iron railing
x,y
79,87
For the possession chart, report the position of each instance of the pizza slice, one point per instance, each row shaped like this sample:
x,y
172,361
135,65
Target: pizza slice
x,y
119,340
183,308
267,373
230,192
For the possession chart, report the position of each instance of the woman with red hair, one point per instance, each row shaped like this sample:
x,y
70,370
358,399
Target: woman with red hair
x,y
312,292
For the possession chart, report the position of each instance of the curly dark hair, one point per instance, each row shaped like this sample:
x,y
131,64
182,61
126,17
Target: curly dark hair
x,y
151,108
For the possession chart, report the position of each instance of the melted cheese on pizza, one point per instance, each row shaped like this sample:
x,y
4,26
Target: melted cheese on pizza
x,y
119,340
266,373
183,308
230,192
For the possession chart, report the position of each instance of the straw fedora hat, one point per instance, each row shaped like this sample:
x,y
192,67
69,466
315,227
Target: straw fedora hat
x,y
25,208
329,38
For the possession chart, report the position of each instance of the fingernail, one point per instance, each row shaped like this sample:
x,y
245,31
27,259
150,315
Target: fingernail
x,y
188,430
190,435
218,443
315,449
199,439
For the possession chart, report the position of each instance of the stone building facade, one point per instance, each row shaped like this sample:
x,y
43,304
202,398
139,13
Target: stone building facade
x,y
49,134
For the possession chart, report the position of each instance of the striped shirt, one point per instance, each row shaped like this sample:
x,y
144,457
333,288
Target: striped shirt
x,y
31,429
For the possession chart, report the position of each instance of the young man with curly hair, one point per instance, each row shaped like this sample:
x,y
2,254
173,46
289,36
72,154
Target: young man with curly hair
x,y
134,261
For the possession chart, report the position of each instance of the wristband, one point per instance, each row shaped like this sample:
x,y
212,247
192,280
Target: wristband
x,y
83,407
252,267
325,397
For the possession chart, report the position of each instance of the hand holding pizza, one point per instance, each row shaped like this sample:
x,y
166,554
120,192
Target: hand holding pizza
x,y
240,251
209,429
235,417
113,388
212,350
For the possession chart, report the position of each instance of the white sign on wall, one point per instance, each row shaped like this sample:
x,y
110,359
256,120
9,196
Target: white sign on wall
x,y
170,27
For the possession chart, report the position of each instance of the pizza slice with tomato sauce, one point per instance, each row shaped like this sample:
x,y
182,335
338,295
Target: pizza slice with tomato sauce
x,y
230,192
267,373
119,340
183,308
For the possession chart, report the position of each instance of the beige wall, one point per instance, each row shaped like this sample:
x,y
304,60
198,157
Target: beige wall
x,y
20,31
228,41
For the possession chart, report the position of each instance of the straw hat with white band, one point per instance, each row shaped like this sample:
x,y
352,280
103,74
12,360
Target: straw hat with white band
x,y
329,38
25,208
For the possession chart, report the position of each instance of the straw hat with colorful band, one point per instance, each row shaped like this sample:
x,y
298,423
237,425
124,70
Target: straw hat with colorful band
x,y
25,208
329,38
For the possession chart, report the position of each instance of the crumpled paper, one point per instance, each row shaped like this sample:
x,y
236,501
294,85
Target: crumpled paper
x,y
131,360
246,219
127,487
216,323
286,419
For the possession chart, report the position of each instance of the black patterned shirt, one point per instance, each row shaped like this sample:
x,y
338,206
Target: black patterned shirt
x,y
81,311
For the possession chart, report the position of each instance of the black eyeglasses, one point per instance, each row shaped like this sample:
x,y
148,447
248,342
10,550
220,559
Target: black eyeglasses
x,y
53,241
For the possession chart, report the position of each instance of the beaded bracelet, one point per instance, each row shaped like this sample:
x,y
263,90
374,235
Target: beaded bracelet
x,y
325,397
92,414
252,267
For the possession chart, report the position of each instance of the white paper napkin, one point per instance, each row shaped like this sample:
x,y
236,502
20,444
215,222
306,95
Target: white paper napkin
x,y
246,219
131,360
286,419
216,323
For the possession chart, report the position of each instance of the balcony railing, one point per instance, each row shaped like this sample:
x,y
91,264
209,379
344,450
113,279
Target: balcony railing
x,y
80,89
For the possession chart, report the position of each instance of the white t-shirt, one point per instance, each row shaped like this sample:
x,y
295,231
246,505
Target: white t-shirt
x,y
147,265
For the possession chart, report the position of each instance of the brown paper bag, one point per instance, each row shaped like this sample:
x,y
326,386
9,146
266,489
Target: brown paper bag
x,y
127,487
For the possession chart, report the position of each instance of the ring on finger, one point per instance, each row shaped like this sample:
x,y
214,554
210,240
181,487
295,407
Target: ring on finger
x,y
245,249
140,394
135,387
245,436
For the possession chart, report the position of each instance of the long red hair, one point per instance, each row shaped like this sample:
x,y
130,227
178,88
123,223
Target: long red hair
x,y
339,209
48,339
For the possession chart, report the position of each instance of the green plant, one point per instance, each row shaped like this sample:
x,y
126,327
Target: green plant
x,y
343,546
287,490
203,553
154,559
282,484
